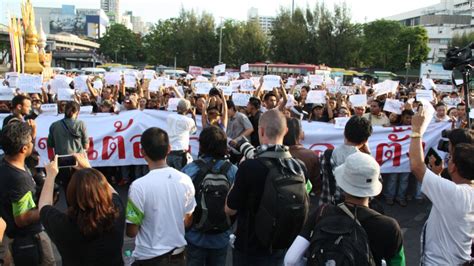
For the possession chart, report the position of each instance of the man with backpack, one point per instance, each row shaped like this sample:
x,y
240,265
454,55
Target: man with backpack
x,y
268,197
212,175
356,136
350,233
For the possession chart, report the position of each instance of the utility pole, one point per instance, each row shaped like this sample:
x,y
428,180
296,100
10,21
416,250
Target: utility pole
x,y
407,65
292,7
220,43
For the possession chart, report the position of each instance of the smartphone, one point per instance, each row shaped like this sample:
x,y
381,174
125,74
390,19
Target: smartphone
x,y
66,161
431,151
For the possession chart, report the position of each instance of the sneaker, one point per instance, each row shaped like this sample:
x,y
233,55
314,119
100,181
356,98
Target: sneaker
x,y
389,201
402,202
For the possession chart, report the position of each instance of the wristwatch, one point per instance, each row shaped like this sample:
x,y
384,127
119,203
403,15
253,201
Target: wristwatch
x,y
415,135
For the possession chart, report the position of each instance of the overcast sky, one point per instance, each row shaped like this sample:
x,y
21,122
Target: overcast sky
x,y
153,10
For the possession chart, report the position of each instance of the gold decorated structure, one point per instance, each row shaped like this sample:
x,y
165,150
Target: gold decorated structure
x,y
27,45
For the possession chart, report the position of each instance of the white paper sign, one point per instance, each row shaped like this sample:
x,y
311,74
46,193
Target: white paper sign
x,y
6,93
458,82
244,68
130,80
219,69
66,94
12,78
316,97
80,83
358,100
247,85
49,109
235,84
86,109
290,82
393,106
240,99
428,83
444,88
316,80
170,83
148,74
203,87
290,102
58,83
270,82
386,87
358,81
155,85
112,78
97,84
424,94
340,122
227,90
222,79
173,104
30,83
201,79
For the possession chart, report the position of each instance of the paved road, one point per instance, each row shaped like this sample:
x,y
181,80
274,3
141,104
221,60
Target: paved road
x,y
410,218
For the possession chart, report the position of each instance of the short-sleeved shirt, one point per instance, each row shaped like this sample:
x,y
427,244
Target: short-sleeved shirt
x,y
195,237
450,225
238,124
158,203
17,191
75,248
383,232
68,136
179,129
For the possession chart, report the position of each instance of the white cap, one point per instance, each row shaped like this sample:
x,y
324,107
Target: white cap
x,y
359,175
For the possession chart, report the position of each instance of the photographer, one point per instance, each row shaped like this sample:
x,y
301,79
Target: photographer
x,y
448,233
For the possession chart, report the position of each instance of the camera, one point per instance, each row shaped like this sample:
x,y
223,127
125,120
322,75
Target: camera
x,y
443,145
455,136
456,57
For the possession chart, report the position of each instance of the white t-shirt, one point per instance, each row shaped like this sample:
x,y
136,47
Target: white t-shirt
x,y
450,226
158,202
179,129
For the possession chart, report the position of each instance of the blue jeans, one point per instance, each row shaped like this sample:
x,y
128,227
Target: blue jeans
x,y
275,259
197,256
418,194
397,184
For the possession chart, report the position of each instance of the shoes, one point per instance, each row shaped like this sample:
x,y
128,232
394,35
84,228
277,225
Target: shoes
x,y
402,202
389,201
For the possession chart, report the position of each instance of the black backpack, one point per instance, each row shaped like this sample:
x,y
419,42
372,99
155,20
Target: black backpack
x,y
211,188
283,205
339,239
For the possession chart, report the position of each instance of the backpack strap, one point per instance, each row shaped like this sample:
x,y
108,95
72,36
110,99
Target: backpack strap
x,y
328,169
225,168
203,170
360,218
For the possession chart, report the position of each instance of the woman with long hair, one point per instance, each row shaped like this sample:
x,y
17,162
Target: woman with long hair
x,y
91,231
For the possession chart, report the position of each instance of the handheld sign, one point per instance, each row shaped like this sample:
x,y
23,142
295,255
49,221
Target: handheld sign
x,y
393,106
219,69
6,93
49,109
112,78
244,68
12,78
290,82
340,122
171,82
30,83
424,94
226,90
173,104
130,80
385,87
66,94
270,82
358,100
98,84
80,83
203,87
316,97
86,109
240,99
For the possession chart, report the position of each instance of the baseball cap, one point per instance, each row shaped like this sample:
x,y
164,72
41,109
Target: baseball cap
x,y
359,175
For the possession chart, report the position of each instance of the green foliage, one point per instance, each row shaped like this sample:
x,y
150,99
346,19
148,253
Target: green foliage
x,y
463,39
122,42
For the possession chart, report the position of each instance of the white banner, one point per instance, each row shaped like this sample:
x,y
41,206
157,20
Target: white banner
x,y
115,139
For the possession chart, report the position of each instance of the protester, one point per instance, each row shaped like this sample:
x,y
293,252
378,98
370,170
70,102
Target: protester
x,y
358,177
254,113
160,206
376,117
239,125
449,231
68,136
28,243
208,238
257,242
356,135
91,232
179,129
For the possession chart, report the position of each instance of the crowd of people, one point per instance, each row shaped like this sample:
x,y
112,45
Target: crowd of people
x,y
253,187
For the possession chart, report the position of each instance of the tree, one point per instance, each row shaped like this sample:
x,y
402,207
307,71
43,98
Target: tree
x,y
461,40
120,43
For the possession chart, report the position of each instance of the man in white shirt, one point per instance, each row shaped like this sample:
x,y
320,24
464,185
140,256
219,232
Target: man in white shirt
x,y
160,206
179,129
376,116
449,230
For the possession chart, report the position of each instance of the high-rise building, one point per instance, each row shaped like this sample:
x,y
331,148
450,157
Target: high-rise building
x,y
112,9
134,23
442,21
265,22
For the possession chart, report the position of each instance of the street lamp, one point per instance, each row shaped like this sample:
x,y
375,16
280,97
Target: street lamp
x,y
407,66
220,43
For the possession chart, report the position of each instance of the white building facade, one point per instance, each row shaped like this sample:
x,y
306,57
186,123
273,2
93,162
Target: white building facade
x,y
442,21
265,22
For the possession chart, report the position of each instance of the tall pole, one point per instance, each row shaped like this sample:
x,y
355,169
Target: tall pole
x,y
407,65
292,7
220,43
175,62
